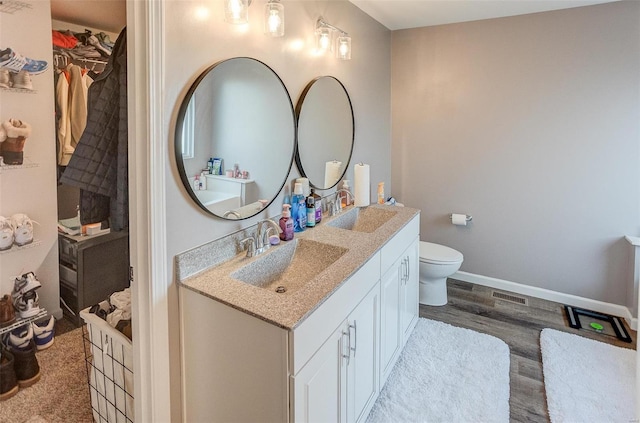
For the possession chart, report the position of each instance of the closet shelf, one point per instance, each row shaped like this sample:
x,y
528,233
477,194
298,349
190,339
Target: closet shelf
x,y
15,248
25,165
12,6
21,322
19,90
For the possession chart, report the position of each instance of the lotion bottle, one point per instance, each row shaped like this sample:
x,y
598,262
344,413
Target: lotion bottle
x,y
311,211
318,203
298,208
381,193
344,197
286,224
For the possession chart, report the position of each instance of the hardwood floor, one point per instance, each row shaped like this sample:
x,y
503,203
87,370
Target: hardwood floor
x,y
473,307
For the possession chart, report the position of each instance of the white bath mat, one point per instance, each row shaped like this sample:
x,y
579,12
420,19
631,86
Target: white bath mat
x,y
447,374
587,380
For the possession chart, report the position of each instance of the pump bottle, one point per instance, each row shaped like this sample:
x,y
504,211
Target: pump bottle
x,y
286,223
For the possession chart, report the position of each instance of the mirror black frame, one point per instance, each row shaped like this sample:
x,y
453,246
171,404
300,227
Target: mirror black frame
x,y
178,137
299,106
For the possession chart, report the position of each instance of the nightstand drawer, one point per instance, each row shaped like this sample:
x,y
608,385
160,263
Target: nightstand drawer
x,y
68,250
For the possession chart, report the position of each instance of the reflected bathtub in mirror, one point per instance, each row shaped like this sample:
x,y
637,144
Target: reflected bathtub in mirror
x,y
325,132
240,111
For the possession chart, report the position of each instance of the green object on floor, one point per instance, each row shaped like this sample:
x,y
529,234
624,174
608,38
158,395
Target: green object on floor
x,y
597,326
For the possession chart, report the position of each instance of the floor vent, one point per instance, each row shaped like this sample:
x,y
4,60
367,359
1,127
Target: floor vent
x,y
510,297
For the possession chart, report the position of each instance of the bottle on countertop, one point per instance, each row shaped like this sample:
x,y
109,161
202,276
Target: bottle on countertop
x,y
286,223
203,179
196,183
381,193
318,203
311,211
298,208
344,197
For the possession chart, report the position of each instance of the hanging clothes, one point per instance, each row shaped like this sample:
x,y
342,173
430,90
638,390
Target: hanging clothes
x,y
71,100
99,164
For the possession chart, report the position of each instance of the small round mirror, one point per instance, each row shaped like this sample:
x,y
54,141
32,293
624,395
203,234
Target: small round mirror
x,y
325,132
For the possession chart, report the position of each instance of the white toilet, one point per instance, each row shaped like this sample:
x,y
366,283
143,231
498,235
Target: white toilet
x,y
437,263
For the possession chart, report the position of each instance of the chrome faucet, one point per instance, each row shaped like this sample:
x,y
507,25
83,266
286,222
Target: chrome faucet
x,y
336,204
256,244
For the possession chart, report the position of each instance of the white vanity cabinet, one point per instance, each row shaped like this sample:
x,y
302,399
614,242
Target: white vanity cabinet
x,y
399,294
328,368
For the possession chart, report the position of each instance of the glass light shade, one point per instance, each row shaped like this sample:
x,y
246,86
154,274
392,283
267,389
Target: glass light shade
x,y
323,39
236,11
343,47
274,18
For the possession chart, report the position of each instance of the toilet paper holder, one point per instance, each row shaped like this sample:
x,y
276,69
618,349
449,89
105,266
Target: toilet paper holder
x,y
468,217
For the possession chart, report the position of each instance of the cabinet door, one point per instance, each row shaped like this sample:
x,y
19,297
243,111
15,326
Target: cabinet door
x,y
319,394
362,368
390,333
410,289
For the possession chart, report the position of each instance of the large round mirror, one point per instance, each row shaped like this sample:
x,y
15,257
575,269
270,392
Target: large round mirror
x,y
235,138
325,132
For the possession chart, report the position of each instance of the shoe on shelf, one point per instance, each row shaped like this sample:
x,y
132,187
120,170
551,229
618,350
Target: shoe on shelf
x,y
26,365
8,381
7,314
22,80
25,283
15,62
44,332
22,229
20,338
27,304
16,134
6,233
5,81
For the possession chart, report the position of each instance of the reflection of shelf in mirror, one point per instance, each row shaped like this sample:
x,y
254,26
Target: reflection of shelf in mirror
x,y
228,179
19,90
27,164
12,6
15,248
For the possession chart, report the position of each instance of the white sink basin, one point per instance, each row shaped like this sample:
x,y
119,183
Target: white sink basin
x,y
289,267
366,219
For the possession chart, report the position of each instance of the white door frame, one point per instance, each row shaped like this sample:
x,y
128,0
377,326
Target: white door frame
x,y
147,217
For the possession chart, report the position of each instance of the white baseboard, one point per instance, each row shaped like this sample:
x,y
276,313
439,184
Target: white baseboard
x,y
546,294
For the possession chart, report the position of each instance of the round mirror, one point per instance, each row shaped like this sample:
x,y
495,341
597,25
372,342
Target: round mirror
x,y
235,138
325,132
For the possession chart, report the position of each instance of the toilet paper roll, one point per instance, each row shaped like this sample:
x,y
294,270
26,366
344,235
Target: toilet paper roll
x,y
361,190
459,219
332,173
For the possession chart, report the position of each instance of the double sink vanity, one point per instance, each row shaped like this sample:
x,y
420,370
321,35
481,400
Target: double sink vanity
x,y
308,330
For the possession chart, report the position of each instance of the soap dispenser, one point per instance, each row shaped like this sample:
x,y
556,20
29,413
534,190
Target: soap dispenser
x,y
286,224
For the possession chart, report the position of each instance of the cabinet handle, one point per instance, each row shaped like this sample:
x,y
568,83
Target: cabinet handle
x,y
408,268
348,335
355,341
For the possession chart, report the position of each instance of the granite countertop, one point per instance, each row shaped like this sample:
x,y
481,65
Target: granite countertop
x,y
289,309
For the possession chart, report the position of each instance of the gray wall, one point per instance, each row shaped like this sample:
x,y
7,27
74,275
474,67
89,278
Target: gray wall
x,y
193,43
530,124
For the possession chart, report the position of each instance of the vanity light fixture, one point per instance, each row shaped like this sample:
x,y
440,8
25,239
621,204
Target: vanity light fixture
x,y
274,18
324,32
236,11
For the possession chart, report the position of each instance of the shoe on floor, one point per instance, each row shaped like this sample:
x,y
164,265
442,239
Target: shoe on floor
x,y
26,365
8,381
15,62
20,338
44,332
7,314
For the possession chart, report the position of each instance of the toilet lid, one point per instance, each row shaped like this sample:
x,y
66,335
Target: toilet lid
x,y
436,253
